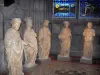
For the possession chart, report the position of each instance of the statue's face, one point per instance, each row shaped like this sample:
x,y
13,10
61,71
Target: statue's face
x,y
89,25
16,25
46,23
29,22
30,25
66,23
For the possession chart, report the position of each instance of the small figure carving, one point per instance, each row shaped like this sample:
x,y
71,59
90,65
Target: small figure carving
x,y
65,40
44,41
31,49
88,34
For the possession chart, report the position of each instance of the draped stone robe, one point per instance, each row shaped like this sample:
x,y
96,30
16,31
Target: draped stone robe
x,y
88,42
65,41
31,49
14,51
44,42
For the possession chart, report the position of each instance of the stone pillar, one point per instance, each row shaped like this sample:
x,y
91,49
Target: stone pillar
x,y
2,64
1,26
1,21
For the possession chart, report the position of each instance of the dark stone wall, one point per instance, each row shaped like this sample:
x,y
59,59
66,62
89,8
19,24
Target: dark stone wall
x,y
77,28
40,10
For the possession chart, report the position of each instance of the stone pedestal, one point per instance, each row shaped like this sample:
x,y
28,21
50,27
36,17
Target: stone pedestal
x,y
29,69
44,61
86,60
63,58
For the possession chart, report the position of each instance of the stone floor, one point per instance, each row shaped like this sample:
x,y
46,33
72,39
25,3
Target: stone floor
x,y
68,68
65,68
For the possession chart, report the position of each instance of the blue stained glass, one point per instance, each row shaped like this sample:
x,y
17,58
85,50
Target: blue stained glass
x,y
64,0
90,8
64,8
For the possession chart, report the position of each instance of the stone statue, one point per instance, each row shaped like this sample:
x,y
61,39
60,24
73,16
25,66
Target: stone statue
x,y
65,40
14,46
44,41
88,34
31,49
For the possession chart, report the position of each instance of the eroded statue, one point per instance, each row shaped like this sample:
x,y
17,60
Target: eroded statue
x,y
31,49
44,41
65,40
14,46
88,34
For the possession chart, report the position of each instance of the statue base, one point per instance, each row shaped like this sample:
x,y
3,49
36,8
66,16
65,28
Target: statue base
x,y
44,61
29,68
63,58
86,60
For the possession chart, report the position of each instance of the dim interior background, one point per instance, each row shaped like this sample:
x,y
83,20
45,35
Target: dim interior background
x,y
39,10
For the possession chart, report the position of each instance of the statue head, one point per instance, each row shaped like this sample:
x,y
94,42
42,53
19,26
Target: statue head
x,y
46,22
89,25
28,21
66,24
16,23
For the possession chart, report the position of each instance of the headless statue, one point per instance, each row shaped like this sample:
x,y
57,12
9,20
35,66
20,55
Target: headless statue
x,y
14,48
88,34
31,49
65,40
44,41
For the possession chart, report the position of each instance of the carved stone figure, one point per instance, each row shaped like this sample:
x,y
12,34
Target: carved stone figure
x,y
44,41
88,34
31,49
65,40
14,46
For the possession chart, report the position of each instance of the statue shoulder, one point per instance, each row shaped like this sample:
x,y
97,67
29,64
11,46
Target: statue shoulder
x,y
9,31
69,29
8,35
93,30
86,30
63,30
34,33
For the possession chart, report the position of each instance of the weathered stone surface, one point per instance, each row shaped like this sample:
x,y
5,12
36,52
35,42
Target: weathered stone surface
x,y
3,64
14,47
30,37
44,61
65,40
86,61
63,58
44,41
88,34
